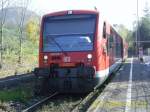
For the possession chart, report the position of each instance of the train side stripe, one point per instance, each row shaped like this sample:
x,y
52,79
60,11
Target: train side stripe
x,y
109,70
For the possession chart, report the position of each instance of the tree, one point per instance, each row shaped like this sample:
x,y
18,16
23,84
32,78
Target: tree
x,y
3,4
32,29
123,31
146,10
24,4
144,29
144,32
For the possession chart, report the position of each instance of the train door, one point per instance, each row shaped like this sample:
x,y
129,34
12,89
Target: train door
x,y
105,48
110,49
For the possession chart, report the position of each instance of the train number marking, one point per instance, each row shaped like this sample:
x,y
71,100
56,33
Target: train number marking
x,y
66,59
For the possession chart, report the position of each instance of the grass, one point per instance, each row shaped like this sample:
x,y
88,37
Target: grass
x,y
17,94
29,54
12,67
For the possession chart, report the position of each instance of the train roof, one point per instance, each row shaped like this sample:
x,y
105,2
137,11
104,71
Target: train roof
x,y
71,12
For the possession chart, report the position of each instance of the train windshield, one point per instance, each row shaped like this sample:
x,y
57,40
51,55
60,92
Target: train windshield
x,y
68,33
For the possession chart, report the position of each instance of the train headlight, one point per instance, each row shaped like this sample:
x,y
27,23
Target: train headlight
x,y
45,58
89,57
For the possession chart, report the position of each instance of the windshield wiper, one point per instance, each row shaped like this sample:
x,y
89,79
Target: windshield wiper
x,y
58,45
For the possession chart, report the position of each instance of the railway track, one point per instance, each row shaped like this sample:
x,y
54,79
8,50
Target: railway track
x,y
77,104
91,97
81,104
65,102
85,102
40,103
13,81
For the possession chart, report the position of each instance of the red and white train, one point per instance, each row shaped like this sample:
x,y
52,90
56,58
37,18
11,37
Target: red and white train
x,y
78,50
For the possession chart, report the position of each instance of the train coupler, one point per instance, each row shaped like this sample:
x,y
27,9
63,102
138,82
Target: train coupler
x,y
42,72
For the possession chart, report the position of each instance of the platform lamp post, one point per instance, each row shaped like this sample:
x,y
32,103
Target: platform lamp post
x,y
137,43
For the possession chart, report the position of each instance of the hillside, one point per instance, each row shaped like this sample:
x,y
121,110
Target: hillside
x,y
13,16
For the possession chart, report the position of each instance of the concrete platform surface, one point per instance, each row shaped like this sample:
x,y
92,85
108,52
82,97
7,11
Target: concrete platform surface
x,y
129,91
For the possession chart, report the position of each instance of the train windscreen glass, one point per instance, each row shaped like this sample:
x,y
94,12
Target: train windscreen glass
x,y
68,33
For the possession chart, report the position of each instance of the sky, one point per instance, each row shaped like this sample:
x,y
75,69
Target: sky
x,y
116,11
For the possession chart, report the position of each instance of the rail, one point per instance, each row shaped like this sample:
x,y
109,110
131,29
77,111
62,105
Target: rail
x,y
38,104
13,81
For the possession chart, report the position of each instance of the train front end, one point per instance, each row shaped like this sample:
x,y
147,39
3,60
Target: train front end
x,y
67,51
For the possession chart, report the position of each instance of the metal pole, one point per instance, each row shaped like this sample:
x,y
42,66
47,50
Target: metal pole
x,y
137,44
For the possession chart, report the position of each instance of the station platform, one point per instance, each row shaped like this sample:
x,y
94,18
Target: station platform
x,y
129,91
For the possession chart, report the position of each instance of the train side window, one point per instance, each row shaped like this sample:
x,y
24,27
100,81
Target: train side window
x,y
104,30
111,41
